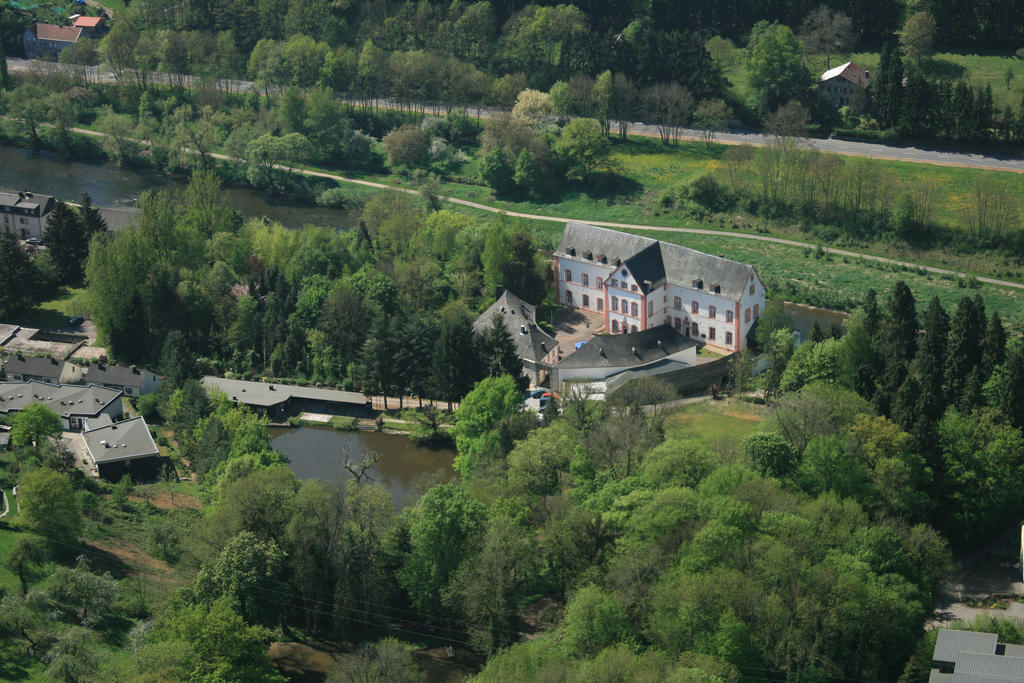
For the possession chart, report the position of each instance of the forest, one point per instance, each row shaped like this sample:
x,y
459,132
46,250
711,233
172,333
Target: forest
x,y
809,550
598,541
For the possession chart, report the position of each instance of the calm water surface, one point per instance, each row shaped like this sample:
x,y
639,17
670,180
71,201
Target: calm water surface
x,y
319,453
111,185
803,318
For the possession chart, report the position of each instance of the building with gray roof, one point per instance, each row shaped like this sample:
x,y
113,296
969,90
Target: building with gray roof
x,y
132,380
536,348
74,403
25,214
21,368
638,283
275,400
120,443
605,355
974,657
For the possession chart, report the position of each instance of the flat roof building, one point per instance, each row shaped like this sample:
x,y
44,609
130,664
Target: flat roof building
x,y
276,399
116,446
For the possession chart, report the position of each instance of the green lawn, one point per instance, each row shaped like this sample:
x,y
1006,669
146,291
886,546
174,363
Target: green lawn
x,y
716,422
53,314
975,69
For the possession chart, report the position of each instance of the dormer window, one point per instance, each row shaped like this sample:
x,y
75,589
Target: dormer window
x,y
698,284
717,289
588,255
602,258
571,251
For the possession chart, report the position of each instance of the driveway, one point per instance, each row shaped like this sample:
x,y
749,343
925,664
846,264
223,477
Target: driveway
x,y
574,325
993,571
75,443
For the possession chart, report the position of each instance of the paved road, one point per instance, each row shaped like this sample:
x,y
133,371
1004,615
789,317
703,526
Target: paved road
x,y
735,137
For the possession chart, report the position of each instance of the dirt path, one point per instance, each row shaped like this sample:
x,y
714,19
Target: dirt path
x,y
610,224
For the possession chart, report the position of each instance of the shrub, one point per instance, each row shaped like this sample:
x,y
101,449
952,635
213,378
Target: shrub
x,y
710,194
336,197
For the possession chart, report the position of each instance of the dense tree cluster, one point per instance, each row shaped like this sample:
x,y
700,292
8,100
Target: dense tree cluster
x,y
387,306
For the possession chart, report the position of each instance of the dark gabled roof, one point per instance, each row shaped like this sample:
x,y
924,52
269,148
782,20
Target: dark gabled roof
x,y
65,399
626,350
951,644
684,265
520,319
34,365
647,268
579,239
120,441
655,261
116,375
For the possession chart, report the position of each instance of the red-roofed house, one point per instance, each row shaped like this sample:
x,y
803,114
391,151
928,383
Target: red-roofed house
x,y
92,27
842,82
48,39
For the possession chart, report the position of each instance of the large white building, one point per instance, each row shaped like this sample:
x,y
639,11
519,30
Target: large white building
x,y
638,283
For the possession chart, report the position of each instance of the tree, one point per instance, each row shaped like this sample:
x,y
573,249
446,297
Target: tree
x,y
29,551
19,278
776,66
68,243
408,147
488,587
532,107
583,147
177,362
918,35
770,454
33,424
244,573
993,346
827,31
499,352
92,595
74,657
206,642
385,660
444,530
887,88
712,116
49,506
5,79
593,621
496,170
455,361
491,400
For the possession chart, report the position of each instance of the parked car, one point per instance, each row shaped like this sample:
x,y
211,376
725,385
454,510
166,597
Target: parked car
x,y
34,241
76,321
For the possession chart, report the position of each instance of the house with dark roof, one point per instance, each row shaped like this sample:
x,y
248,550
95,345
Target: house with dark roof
x,y
49,40
117,448
638,283
974,657
840,84
21,368
607,355
74,403
25,214
536,348
132,380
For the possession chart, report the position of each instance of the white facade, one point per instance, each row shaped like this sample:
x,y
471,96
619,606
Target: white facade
x,y
695,303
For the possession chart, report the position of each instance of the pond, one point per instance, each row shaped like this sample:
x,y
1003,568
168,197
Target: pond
x,y
405,467
110,185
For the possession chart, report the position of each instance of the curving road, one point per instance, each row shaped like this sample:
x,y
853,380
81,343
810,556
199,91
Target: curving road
x,y
999,162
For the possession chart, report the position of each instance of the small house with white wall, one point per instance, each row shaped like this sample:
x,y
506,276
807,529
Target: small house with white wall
x,y
840,84
132,380
638,283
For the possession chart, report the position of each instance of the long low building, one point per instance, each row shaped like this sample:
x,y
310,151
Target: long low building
x,y
75,403
275,400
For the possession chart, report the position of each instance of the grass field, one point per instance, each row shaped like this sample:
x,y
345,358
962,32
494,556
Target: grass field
x,y
53,314
719,423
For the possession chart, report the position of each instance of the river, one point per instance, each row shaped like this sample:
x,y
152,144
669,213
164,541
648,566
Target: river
x,y
804,316
110,185
405,467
